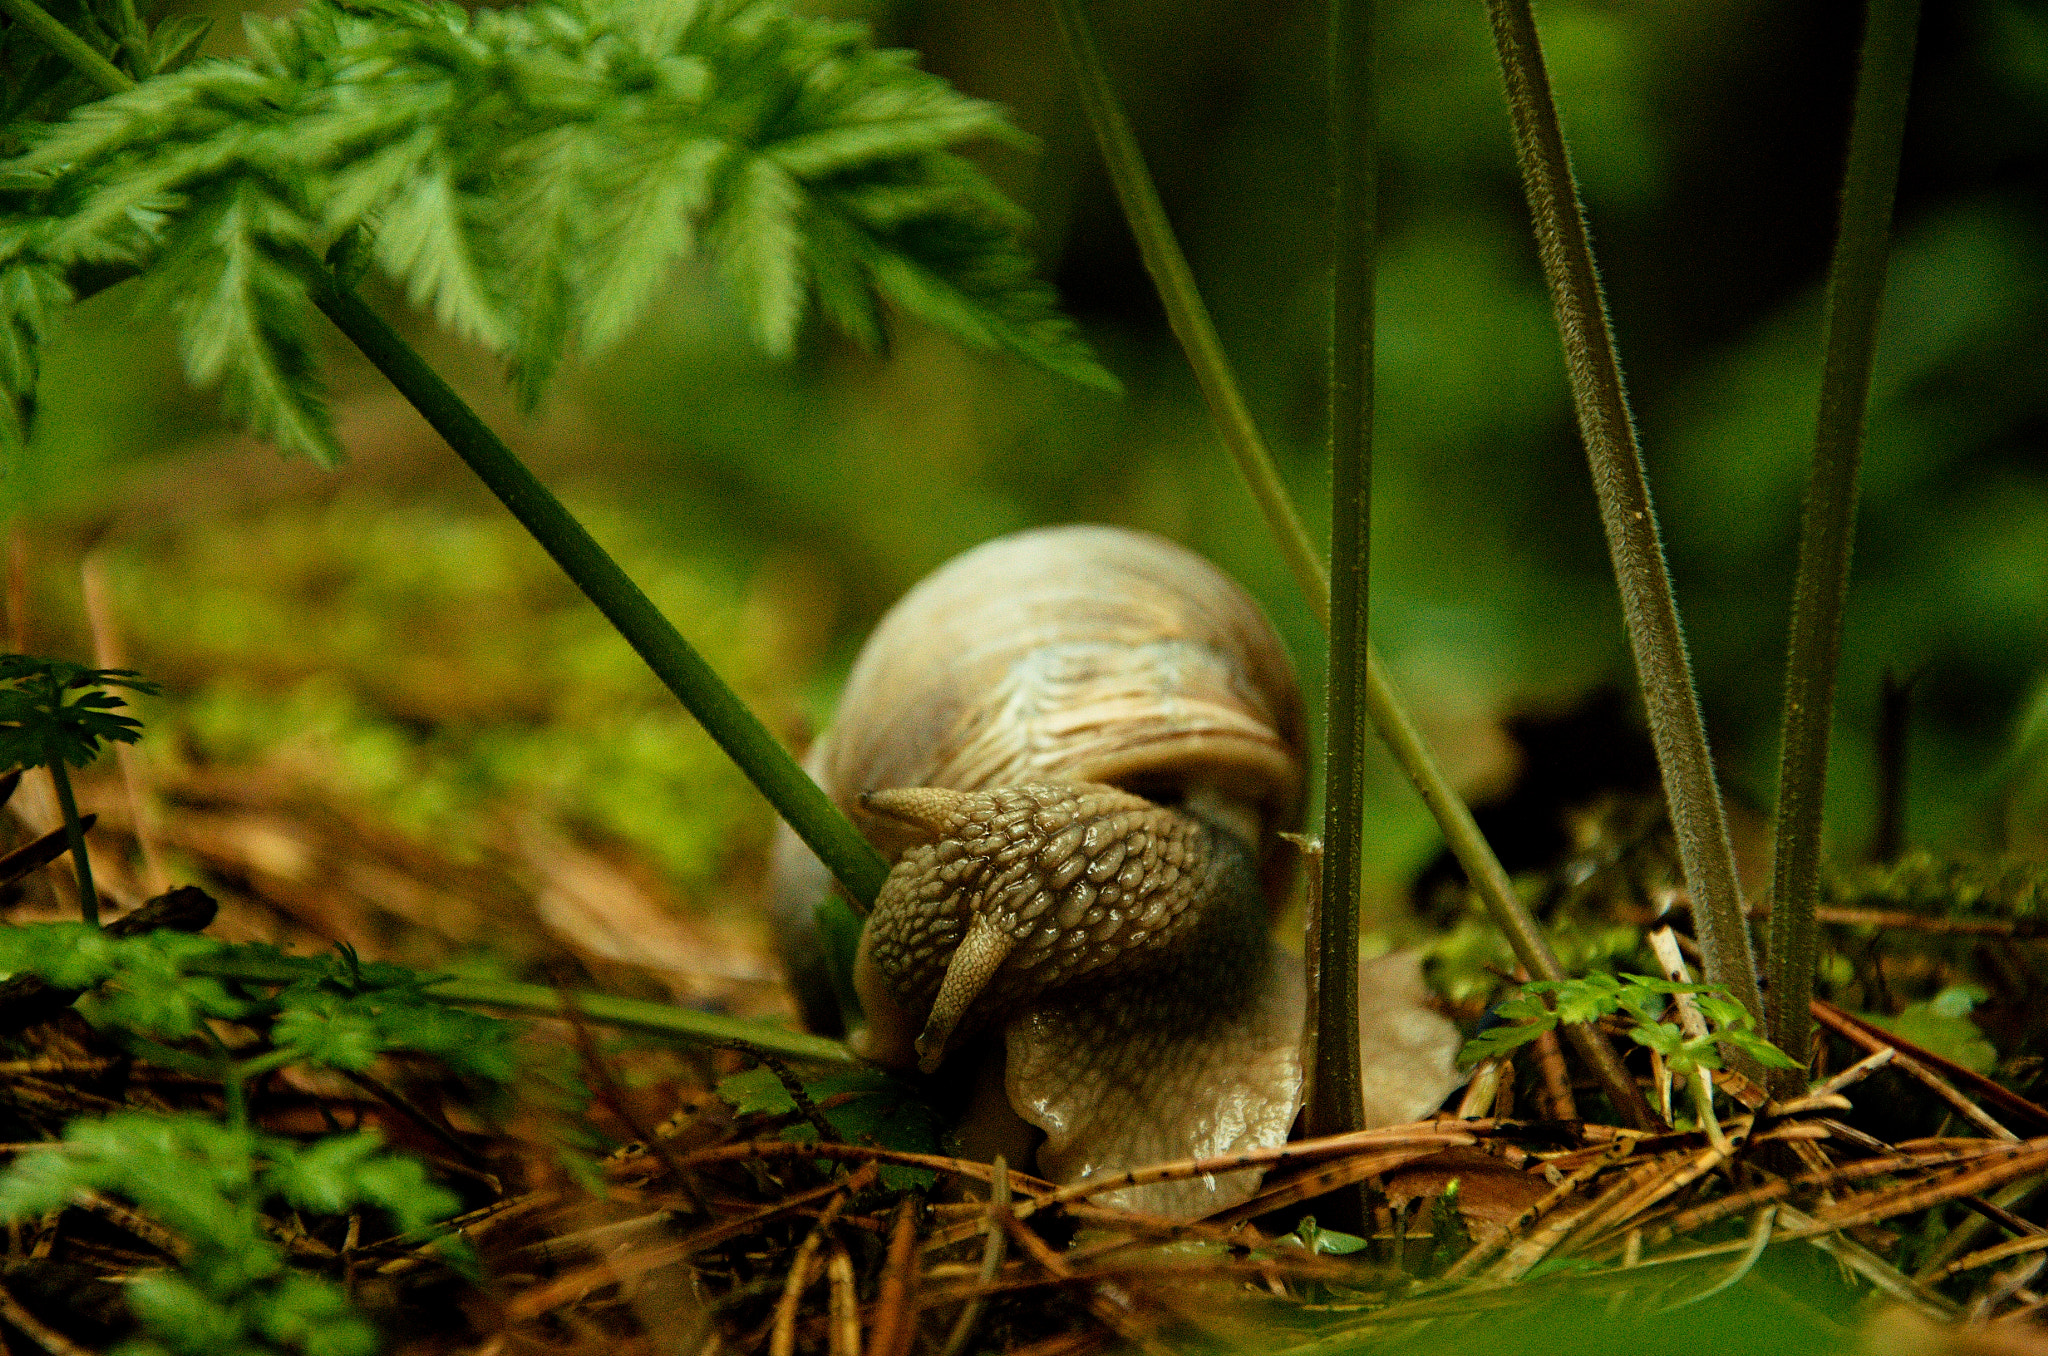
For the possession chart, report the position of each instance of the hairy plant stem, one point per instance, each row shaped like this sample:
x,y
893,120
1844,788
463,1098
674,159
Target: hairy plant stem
x,y
1185,310
74,836
1608,431
1336,1103
798,799
630,1013
1383,706
1855,302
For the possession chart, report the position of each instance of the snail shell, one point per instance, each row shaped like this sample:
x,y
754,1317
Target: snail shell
x,y
1079,745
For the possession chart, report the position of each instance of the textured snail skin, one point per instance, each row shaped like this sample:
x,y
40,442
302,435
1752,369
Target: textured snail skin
x,y
1030,894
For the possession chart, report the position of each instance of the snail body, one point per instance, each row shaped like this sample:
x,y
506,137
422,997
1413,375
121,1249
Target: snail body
x,y
1079,745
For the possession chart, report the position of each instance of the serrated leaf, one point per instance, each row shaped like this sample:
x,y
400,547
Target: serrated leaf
x,y
232,273
760,252
175,41
429,236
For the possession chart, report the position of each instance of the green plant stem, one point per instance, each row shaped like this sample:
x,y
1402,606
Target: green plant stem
x,y
798,799
1608,431
68,45
1855,302
74,835
1204,350
1185,310
630,1013
1336,1104
635,1014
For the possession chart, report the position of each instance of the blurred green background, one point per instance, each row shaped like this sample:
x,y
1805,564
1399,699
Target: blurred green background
x,y
390,630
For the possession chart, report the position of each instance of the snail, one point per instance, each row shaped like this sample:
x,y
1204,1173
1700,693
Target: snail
x,y
1079,747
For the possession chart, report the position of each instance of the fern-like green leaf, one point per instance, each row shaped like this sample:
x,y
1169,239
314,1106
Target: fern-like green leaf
x,y
530,175
235,275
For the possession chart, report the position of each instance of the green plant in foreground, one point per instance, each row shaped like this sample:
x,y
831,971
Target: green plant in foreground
x,y
55,714
208,1181
332,1011
234,1290
1527,1015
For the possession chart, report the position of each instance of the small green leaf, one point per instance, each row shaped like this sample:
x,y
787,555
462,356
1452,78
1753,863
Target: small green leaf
x,y
757,1092
1942,1024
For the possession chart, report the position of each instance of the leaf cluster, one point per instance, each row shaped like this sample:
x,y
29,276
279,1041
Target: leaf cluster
x,y
1542,1006
531,175
330,1011
54,711
234,1292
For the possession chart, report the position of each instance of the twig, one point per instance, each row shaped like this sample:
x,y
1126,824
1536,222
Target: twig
x,y
1630,1206
895,1323
1664,942
1484,1250
1966,1231
1921,922
1105,1309
1855,301
1874,1206
782,1334
1984,1257
1608,431
39,852
1555,1081
1482,1088
844,1333
613,1270
991,1260
1869,1265
1858,1071
621,1104
1855,1034
2017,1110
1322,1181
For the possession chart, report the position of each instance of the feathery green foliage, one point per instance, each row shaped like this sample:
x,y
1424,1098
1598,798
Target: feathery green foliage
x,y
334,1010
209,1182
1587,999
530,175
233,1291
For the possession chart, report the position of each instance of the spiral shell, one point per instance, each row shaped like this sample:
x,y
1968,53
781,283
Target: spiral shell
x,y
1074,654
